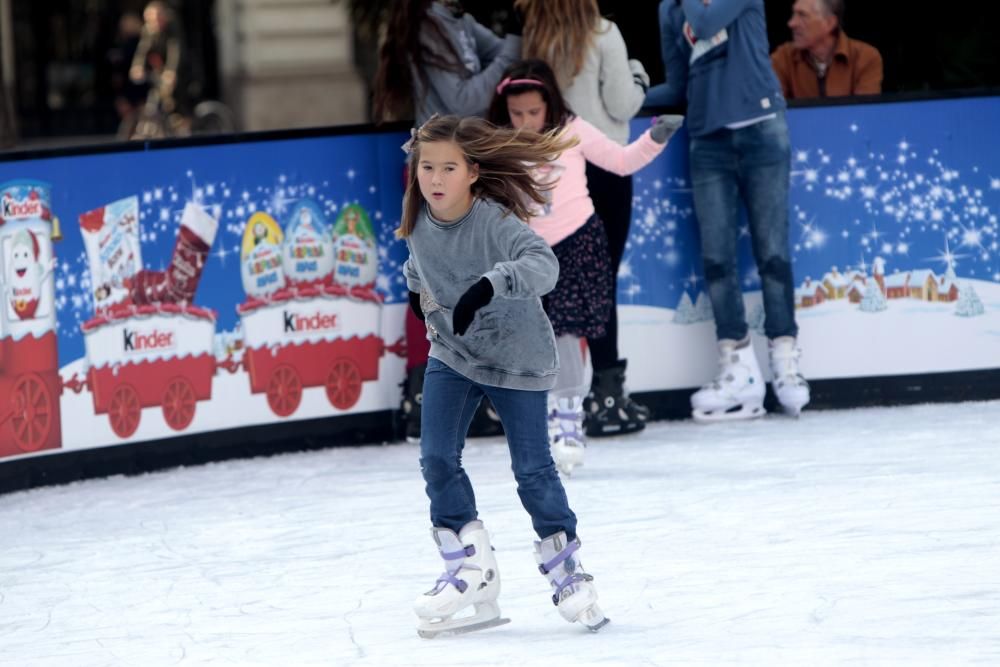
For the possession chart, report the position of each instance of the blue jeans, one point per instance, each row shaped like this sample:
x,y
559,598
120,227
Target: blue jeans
x,y
752,164
449,403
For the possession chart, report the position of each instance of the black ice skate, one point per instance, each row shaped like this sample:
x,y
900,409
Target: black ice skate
x,y
607,409
413,397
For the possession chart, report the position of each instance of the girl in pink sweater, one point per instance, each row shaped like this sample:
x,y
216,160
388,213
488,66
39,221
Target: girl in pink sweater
x,y
528,98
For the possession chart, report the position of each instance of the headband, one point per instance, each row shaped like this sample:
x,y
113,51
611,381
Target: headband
x,y
518,82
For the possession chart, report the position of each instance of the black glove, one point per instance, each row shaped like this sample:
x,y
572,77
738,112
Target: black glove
x,y
513,23
415,306
474,298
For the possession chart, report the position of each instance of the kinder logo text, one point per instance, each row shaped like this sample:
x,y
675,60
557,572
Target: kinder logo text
x,y
147,341
295,323
14,209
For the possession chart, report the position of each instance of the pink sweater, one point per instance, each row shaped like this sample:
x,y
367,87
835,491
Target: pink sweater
x,y
570,205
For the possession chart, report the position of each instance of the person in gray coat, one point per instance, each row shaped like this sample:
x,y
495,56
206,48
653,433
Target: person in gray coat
x,y
436,59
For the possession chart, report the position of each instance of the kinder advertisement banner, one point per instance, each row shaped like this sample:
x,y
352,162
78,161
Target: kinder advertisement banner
x,y
200,288
154,293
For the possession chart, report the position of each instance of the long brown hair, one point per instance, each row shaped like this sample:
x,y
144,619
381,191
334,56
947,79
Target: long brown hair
x,y
506,158
405,47
560,32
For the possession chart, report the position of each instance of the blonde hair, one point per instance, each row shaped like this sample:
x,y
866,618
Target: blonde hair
x,y
507,159
560,32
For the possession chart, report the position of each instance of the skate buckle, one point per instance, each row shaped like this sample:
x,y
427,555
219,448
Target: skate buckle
x,y
466,552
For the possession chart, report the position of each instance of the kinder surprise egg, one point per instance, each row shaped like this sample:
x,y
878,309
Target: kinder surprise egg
x,y
308,250
260,257
355,257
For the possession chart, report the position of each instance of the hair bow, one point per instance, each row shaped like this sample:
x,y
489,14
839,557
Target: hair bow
x,y
408,146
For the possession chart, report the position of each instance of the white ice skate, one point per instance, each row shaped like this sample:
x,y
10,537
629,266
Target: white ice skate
x,y
471,579
789,386
575,596
566,439
737,392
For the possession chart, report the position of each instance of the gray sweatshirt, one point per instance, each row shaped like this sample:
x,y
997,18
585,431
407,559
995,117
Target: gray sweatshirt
x,y
484,56
510,342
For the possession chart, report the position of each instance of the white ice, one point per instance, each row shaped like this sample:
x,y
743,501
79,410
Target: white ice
x,y
866,536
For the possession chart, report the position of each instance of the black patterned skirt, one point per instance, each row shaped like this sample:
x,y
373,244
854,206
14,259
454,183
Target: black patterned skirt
x,y
581,302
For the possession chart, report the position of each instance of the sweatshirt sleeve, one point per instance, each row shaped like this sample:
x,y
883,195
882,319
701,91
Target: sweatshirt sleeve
x,y
471,95
413,282
621,95
532,269
675,63
488,45
706,20
612,156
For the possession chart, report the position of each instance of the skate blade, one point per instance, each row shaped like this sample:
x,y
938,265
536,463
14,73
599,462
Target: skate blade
x,y
594,619
743,413
431,633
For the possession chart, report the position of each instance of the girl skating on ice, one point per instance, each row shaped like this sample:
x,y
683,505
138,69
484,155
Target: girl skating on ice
x,y
476,274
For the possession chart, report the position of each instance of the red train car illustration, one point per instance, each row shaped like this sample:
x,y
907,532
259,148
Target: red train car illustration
x,y
158,355
29,361
321,335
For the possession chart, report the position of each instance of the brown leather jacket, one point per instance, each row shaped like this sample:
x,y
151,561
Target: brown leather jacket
x,y
856,70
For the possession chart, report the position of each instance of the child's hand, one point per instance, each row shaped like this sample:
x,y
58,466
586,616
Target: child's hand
x,y
664,127
474,298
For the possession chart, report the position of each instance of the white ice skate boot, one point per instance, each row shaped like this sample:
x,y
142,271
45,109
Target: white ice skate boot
x,y
471,579
737,392
575,596
566,439
789,386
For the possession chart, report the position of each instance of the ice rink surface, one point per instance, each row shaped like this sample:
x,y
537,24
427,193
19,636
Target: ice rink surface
x,y
862,537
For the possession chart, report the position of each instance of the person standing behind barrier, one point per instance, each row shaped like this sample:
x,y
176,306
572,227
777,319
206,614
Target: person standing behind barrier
x,y
580,306
740,154
159,59
436,58
606,89
821,61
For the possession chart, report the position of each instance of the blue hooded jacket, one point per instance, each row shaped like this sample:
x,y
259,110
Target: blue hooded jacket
x,y
716,57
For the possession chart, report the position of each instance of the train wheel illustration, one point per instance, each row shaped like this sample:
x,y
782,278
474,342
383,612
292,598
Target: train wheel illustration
x,y
32,413
284,390
124,411
179,403
343,384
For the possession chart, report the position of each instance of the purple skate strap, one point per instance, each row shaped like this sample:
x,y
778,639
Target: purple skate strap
x,y
546,567
568,581
449,578
464,553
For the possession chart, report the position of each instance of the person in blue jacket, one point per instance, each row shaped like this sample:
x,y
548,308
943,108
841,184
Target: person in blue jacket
x,y
717,60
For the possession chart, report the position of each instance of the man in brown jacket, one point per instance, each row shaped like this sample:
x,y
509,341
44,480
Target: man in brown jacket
x,y
821,60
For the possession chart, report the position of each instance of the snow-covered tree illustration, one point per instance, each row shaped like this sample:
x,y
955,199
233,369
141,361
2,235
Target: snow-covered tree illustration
x,y
969,304
685,312
703,308
873,301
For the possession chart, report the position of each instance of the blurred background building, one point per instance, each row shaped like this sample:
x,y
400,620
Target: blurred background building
x,y
297,63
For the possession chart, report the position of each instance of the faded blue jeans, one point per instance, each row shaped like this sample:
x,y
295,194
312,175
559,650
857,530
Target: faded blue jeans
x,y
449,403
750,164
